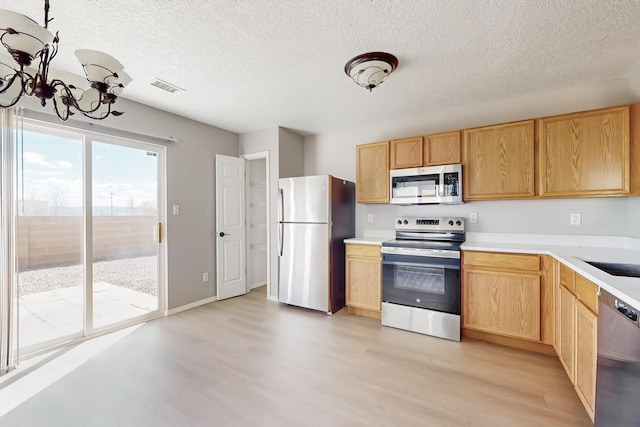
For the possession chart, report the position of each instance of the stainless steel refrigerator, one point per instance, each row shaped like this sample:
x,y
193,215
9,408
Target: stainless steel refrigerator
x,y
315,215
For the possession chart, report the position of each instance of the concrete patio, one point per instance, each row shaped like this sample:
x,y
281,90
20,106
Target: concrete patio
x,y
55,313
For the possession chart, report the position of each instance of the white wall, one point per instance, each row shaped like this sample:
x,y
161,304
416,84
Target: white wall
x,y
334,153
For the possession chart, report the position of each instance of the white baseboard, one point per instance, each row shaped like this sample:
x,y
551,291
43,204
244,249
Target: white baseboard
x,y
190,306
257,285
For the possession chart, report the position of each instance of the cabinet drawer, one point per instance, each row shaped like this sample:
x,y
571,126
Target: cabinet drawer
x,y
587,292
369,251
567,278
503,261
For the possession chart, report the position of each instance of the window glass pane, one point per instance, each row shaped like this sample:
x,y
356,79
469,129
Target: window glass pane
x,y
49,235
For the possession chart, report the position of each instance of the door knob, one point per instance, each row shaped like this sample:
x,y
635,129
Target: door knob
x,y
222,234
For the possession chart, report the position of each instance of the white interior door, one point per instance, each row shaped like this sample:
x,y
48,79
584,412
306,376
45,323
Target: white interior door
x,y
231,279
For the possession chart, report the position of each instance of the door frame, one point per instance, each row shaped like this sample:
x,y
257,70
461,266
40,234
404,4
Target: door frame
x,y
257,156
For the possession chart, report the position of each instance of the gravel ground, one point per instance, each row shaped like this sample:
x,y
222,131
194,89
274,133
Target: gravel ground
x,y
138,274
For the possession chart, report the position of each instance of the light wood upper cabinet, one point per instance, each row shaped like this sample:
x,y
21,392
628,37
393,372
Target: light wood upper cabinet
x,y
585,154
406,153
499,161
501,294
363,280
372,173
442,148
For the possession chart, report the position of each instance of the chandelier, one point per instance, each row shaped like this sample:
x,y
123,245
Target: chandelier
x,y
370,69
33,48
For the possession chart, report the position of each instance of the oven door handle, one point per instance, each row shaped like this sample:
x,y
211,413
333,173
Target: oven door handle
x,y
422,265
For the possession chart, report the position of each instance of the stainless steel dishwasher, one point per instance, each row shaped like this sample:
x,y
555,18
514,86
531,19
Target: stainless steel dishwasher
x,y
618,375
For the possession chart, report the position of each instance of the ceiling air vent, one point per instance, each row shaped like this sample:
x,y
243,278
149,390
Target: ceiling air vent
x,y
171,88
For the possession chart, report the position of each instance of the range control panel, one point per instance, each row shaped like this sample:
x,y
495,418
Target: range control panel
x,y
429,224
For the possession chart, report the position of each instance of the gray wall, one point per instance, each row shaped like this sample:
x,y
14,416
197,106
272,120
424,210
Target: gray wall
x,y
190,181
255,142
190,184
286,159
334,153
291,149
634,216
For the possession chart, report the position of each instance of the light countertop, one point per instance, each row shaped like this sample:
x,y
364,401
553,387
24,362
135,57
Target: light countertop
x,y
372,237
366,240
573,252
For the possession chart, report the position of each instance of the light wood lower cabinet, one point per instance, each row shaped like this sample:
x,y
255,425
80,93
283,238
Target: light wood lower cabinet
x,y
501,294
363,280
503,303
566,325
577,333
586,356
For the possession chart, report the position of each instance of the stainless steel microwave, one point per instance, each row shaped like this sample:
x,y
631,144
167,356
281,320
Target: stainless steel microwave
x,y
431,184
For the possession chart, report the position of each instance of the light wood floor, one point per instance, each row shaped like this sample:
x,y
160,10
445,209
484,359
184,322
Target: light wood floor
x,y
252,362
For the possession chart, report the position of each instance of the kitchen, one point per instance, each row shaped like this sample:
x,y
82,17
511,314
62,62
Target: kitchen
x,y
484,271
333,152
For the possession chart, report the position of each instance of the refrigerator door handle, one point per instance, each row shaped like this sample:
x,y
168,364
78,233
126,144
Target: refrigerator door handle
x,y
281,238
280,204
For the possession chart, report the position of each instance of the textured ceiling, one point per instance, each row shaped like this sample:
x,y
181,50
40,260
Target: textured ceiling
x,y
255,64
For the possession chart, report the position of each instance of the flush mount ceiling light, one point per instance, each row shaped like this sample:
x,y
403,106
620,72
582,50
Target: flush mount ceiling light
x,y
369,70
32,48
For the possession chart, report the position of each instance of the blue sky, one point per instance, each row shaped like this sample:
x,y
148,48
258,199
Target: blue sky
x,y
53,164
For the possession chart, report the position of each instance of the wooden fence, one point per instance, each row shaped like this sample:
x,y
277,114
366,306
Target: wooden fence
x,y
46,241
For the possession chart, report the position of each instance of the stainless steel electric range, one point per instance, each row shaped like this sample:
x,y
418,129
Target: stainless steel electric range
x,y
421,276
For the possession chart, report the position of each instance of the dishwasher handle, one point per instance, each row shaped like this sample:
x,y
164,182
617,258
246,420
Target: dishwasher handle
x,y
625,310
621,307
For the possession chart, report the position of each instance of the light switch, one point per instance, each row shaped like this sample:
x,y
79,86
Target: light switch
x,y
176,209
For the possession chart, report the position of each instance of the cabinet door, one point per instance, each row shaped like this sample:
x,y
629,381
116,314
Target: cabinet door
x,y
585,154
442,148
372,173
502,303
547,311
586,353
566,328
363,279
406,153
499,162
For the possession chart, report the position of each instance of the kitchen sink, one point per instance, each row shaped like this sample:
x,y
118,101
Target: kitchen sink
x,y
626,270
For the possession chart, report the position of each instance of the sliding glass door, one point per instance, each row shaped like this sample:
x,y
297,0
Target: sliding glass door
x,y
89,209
50,236
125,232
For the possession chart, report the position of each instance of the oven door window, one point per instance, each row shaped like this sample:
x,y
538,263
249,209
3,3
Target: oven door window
x,y
420,279
432,283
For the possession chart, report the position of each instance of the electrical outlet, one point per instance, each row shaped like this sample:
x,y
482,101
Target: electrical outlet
x,y
576,219
370,218
176,209
205,277
473,217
